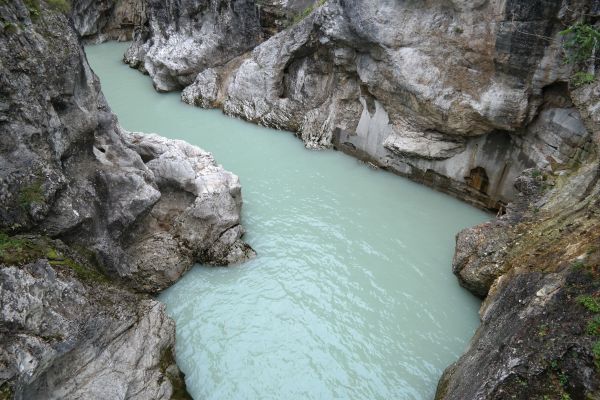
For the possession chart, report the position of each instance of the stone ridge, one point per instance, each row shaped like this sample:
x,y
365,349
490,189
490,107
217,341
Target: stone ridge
x,y
93,219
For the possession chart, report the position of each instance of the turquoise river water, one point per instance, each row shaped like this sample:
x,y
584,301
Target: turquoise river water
x,y
351,295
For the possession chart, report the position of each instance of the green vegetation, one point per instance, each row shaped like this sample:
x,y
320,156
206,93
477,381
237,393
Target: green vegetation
x,y
589,302
20,250
6,392
34,8
9,27
593,326
582,78
596,353
60,5
581,41
578,265
563,379
536,173
32,193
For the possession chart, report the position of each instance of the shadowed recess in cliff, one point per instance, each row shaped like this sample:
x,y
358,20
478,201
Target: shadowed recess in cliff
x,y
351,295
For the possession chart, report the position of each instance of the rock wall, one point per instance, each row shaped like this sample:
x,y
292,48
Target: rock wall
x,y
99,21
184,37
91,218
539,266
367,78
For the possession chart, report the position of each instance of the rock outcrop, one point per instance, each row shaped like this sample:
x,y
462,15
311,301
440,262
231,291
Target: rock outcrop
x,y
99,21
182,38
92,220
539,266
367,78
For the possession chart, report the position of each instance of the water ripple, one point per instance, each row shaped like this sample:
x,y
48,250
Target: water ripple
x,y
351,296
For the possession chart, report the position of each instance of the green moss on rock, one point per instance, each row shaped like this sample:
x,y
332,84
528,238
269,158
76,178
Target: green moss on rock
x,y
20,250
62,6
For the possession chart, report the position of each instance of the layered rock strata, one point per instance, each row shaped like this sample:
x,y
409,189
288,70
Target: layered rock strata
x,y
92,220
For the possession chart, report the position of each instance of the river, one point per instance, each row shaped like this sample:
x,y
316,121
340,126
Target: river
x,y
351,295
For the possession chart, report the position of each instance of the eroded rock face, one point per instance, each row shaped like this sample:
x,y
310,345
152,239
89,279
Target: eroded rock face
x,y
185,37
99,21
367,78
539,266
535,338
196,219
105,214
76,338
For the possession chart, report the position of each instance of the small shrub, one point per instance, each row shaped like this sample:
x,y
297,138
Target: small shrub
x,y
563,379
578,265
458,30
32,193
34,8
596,353
593,326
62,6
581,41
582,78
589,302
10,27
307,11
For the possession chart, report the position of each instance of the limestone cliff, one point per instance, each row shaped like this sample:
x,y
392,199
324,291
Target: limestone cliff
x,y
92,219
98,21
539,266
462,96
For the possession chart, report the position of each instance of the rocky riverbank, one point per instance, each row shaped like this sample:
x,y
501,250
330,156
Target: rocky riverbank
x,y
367,78
93,220
462,96
473,98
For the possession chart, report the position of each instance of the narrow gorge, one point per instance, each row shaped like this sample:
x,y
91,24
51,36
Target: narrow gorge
x,y
342,282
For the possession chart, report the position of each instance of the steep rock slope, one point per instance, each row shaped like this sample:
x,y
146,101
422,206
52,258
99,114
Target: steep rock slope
x,y
459,95
184,37
98,21
91,218
539,266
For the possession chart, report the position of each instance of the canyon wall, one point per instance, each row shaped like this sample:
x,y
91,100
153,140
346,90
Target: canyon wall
x,y
462,96
93,219
539,268
473,98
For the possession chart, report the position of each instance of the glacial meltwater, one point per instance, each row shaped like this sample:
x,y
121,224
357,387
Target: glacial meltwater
x,y
352,294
